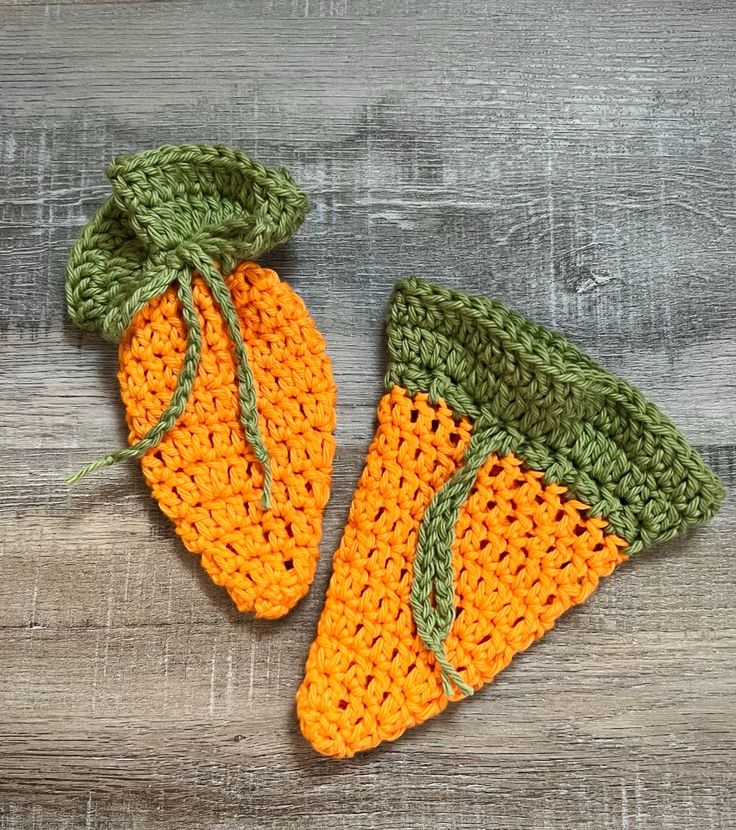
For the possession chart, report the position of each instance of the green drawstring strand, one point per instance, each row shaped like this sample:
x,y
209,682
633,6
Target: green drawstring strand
x,y
177,267
432,590
179,399
246,381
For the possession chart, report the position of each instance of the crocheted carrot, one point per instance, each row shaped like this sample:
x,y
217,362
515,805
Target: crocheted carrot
x,y
509,473
227,387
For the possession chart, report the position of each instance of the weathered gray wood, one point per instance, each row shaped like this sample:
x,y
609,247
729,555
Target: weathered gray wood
x,y
573,160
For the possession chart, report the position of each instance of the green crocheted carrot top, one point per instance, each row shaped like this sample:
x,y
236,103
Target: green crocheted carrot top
x,y
529,392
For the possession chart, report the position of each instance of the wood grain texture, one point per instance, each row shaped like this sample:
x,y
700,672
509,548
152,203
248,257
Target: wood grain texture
x,y
576,162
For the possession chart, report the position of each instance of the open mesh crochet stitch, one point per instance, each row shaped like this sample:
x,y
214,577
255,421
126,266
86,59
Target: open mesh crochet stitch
x,y
508,474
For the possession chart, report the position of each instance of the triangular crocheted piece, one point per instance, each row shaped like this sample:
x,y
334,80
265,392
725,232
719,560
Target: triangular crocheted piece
x,y
507,467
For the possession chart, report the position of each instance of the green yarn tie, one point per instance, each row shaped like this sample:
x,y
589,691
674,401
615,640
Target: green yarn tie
x,y
432,589
177,211
179,399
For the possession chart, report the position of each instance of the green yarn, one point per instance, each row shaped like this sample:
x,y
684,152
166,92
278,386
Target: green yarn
x,y
178,402
554,408
176,210
531,393
432,592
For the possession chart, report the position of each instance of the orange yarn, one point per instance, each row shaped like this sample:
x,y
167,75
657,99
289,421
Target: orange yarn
x,y
203,473
523,554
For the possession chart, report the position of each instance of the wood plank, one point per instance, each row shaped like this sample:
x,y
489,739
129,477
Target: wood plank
x,y
575,162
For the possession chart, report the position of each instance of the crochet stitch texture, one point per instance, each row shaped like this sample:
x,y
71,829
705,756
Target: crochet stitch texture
x,y
226,382
508,474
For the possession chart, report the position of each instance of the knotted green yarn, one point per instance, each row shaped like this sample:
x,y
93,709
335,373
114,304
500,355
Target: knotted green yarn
x,y
177,211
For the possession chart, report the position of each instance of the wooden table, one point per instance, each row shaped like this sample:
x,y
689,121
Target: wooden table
x,y
574,162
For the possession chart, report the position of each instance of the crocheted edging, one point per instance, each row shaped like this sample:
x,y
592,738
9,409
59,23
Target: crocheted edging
x,y
165,202
551,405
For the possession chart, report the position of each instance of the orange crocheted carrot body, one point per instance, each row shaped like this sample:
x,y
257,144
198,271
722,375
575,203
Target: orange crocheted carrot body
x,y
509,473
203,473
523,554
